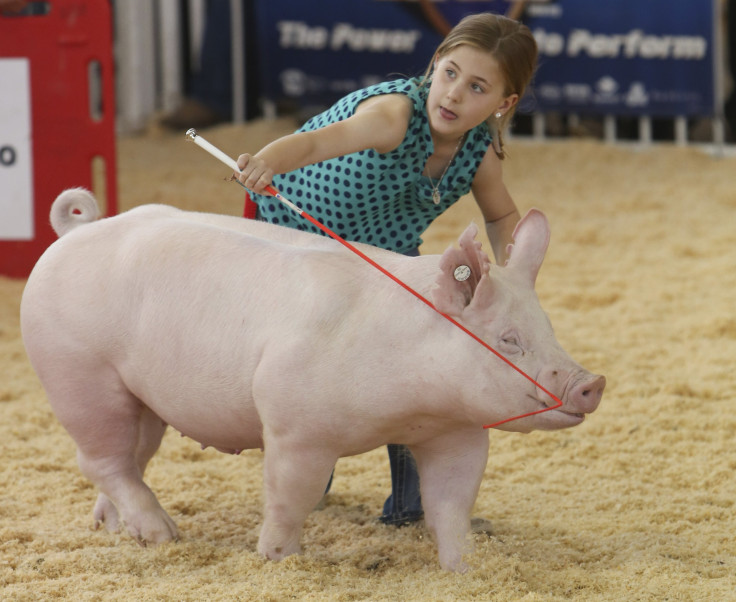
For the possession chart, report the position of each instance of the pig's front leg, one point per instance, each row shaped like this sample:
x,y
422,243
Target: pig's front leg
x,y
295,476
450,472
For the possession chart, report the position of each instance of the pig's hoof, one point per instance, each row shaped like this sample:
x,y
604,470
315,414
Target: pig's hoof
x,y
461,568
152,529
278,552
455,565
106,513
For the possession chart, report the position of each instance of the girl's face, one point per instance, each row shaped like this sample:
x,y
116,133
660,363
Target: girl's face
x,y
467,88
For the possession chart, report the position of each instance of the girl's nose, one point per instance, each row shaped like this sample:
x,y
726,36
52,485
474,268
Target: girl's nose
x,y
454,92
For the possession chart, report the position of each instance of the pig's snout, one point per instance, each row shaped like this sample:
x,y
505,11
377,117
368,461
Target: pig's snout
x,y
580,393
586,395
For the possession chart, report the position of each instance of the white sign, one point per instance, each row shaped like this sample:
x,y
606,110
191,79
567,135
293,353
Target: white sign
x,y
16,162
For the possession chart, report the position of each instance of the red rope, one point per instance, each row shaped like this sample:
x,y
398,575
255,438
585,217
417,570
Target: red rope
x,y
271,190
359,253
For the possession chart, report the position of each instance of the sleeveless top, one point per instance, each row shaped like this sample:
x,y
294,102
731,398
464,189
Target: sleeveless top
x,y
381,199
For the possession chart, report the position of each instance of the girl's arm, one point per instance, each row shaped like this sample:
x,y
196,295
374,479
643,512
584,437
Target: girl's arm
x,y
379,122
498,208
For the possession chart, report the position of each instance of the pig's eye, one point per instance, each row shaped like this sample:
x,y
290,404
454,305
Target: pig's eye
x,y
511,344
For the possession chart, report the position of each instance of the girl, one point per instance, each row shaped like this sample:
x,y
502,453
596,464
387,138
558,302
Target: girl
x,y
384,162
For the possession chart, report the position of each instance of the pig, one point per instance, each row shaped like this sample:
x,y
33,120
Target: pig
x,y
241,334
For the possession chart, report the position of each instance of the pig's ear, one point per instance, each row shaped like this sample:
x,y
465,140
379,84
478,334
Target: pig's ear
x,y
531,238
463,275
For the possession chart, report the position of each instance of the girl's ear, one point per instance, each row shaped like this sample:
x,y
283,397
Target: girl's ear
x,y
508,102
435,58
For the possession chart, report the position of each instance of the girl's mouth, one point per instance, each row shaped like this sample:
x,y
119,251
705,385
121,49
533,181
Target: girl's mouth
x,y
447,114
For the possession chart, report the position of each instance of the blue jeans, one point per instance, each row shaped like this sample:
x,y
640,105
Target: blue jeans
x,y
404,505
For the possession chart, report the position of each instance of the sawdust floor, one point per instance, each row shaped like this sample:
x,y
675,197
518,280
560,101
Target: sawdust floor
x,y
638,503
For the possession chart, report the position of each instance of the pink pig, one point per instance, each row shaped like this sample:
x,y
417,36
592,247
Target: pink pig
x,y
241,334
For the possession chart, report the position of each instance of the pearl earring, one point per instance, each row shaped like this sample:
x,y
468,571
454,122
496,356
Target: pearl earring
x,y
498,115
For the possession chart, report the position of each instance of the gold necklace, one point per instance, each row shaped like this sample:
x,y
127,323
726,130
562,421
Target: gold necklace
x,y
436,196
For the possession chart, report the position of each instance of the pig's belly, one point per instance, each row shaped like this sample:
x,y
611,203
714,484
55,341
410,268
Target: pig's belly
x,y
226,436
230,428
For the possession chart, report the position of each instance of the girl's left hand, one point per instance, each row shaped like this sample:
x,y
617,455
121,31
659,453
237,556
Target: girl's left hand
x,y
254,174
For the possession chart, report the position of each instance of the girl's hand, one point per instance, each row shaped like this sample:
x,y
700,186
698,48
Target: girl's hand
x,y
254,174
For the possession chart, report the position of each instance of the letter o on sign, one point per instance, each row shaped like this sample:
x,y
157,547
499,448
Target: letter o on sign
x,y
7,155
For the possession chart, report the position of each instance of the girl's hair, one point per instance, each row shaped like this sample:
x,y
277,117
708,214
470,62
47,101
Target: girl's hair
x,y
513,46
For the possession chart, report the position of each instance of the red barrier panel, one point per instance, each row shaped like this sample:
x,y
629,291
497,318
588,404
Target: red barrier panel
x,y
57,119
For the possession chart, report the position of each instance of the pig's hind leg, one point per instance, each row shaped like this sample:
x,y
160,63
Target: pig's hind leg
x,y
116,435
150,433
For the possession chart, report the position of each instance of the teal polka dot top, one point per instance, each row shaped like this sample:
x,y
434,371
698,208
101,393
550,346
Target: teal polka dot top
x,y
378,199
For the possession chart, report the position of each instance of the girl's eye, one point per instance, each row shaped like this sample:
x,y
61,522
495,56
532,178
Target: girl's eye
x,y
477,88
450,73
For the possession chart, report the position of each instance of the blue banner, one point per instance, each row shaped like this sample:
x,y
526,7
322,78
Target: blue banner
x,y
628,57
634,57
315,57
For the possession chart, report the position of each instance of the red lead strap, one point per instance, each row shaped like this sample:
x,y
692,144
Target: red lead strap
x,y
272,191
216,152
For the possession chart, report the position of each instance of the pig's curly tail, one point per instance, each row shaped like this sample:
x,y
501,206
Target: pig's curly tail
x,y
72,208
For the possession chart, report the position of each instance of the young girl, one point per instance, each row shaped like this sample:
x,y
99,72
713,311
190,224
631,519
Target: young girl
x,y
381,164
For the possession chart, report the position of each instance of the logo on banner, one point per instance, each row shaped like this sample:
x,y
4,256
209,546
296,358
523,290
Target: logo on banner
x,y
606,90
578,93
637,95
297,83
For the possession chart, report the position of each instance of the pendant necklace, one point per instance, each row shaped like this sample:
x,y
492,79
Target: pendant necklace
x,y
436,196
